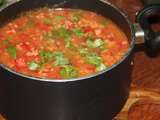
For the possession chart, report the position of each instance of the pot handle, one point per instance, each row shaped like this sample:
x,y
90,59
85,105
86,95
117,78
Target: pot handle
x,y
151,38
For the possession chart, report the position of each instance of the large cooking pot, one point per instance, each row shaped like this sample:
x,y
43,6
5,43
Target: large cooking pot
x,y
96,97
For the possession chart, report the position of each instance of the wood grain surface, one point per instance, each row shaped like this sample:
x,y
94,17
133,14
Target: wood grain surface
x,y
146,72
146,76
144,100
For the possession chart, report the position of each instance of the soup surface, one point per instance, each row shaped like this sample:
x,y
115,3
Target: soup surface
x,y
61,43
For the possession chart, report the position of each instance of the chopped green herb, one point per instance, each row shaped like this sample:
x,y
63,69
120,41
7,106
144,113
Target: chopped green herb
x,y
59,33
71,46
51,35
69,71
63,32
79,32
68,43
58,54
75,18
58,17
90,43
8,39
46,55
83,51
12,52
33,66
60,59
97,43
47,21
100,67
93,58
66,34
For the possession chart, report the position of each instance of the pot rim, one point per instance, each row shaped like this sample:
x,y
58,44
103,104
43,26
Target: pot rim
x,y
132,44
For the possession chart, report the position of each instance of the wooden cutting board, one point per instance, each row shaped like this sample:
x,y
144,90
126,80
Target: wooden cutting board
x,y
144,100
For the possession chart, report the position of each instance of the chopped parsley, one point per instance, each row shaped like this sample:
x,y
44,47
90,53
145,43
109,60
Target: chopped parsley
x,y
46,55
57,34
68,72
101,67
66,35
83,51
78,32
47,21
75,18
58,17
12,51
8,39
63,32
60,59
33,66
94,59
97,43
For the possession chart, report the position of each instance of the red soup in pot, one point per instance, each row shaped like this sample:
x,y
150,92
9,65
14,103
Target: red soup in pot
x,y
61,43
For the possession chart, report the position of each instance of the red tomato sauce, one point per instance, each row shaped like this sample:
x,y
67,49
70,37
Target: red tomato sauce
x,y
61,43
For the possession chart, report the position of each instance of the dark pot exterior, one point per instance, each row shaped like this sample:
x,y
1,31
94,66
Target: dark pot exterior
x,y
99,97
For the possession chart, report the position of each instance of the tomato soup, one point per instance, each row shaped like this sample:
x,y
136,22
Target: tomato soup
x,y
61,43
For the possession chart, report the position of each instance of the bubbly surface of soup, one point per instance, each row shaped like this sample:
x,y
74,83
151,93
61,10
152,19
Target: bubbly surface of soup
x,y
61,43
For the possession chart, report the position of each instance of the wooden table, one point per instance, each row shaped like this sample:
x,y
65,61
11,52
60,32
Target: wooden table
x,y
146,72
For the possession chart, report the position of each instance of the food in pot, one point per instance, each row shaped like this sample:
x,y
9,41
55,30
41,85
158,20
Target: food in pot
x,y
61,43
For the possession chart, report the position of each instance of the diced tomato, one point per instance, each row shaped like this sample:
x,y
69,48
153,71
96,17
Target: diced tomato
x,y
7,59
55,73
51,72
43,26
26,46
98,31
77,61
108,58
22,21
87,69
123,44
23,36
69,24
78,41
20,63
32,58
88,29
